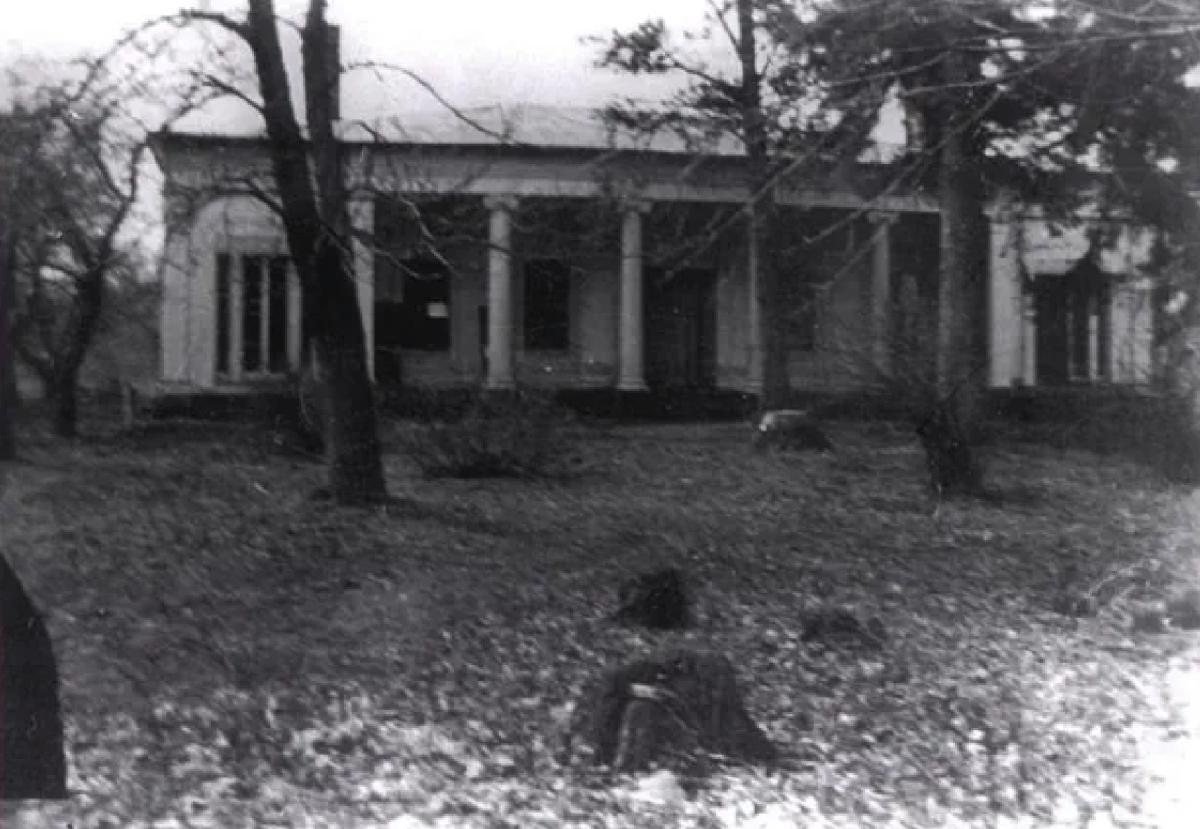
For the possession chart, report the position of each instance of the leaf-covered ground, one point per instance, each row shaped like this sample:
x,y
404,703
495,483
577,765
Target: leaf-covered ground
x,y
236,653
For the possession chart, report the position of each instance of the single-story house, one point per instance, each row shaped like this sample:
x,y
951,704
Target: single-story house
x,y
540,246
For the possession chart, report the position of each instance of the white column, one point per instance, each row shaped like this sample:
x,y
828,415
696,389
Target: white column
x,y
754,332
500,370
881,285
1029,339
294,310
1093,312
362,219
236,293
630,328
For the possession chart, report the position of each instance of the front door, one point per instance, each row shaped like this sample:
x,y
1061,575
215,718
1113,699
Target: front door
x,y
681,327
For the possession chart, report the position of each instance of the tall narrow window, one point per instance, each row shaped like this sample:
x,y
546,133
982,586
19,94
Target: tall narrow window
x,y
224,276
252,313
254,323
547,305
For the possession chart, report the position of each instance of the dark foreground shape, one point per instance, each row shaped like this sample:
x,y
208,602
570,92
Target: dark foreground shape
x,y
790,429
32,763
677,706
1148,617
1184,610
658,600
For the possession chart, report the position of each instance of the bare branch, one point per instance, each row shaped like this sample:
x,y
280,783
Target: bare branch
x,y
378,67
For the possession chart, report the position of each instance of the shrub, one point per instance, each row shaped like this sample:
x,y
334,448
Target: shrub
x,y
509,434
1158,430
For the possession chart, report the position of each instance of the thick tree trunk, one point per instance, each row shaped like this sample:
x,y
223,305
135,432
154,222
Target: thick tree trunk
x,y
350,431
952,431
772,345
315,220
8,377
65,399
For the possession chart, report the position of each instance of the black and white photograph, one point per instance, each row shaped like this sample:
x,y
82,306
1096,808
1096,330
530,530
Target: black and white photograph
x,y
714,414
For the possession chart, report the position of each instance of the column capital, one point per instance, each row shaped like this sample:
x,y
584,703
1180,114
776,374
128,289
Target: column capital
x,y
882,217
502,201
634,204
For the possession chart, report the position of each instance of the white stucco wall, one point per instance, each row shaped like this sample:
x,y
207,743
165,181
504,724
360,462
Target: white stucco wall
x,y
1031,247
236,225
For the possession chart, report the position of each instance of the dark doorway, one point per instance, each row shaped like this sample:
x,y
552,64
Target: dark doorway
x,y
681,328
1053,319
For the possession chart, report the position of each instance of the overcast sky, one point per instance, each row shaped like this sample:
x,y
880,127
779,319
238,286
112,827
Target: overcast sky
x,y
474,51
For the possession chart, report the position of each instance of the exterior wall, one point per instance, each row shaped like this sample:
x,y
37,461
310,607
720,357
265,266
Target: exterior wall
x,y
1026,248
841,358
230,224
189,282
734,348
589,360
846,327
1132,335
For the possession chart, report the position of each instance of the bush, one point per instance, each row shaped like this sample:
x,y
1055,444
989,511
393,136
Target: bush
x,y
508,434
1157,430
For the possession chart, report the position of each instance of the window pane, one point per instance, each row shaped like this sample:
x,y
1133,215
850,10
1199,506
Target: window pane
x,y
222,313
277,320
547,300
252,276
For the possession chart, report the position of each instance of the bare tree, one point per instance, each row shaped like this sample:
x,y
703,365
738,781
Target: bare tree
x,y
309,177
1080,103
760,105
78,190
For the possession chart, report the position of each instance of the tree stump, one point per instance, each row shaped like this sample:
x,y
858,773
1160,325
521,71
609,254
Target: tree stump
x,y
793,429
1184,610
841,627
658,600
32,762
676,706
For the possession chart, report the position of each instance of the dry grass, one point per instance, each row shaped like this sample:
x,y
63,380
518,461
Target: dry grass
x,y
236,652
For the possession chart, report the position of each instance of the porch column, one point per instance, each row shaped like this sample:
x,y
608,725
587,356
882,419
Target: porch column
x,y
294,309
500,373
1028,338
881,286
362,219
1093,358
630,354
754,332
236,295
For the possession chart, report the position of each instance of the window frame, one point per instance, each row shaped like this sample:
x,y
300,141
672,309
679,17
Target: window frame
x,y
231,342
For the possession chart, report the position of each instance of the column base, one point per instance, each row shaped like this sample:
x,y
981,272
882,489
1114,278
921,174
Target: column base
x,y
632,385
500,385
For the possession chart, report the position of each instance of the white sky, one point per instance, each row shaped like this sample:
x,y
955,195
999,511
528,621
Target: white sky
x,y
474,51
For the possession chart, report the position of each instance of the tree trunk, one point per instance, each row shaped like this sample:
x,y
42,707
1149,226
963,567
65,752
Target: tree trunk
x,y
316,224
350,432
962,310
8,377
772,345
64,396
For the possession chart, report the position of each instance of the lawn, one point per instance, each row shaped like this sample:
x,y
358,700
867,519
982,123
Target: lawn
x,y
237,653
